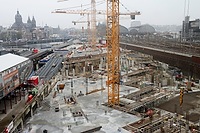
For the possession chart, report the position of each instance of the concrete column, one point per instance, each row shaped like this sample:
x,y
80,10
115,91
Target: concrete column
x,y
67,74
120,61
63,75
31,110
48,87
63,72
10,102
132,63
92,69
144,78
46,90
72,85
42,96
100,66
187,123
38,103
127,66
106,66
15,97
37,66
199,84
159,85
76,69
5,107
22,124
101,63
83,70
199,124
73,73
55,79
72,92
174,93
129,63
60,77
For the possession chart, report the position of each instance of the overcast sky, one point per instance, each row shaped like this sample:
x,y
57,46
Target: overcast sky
x,y
159,12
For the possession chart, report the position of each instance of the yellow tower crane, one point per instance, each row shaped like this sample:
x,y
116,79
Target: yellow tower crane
x,y
113,52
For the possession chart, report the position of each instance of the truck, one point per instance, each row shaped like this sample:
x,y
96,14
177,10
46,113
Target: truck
x,y
34,80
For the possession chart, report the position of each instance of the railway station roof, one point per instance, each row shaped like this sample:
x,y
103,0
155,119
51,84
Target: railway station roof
x,y
10,60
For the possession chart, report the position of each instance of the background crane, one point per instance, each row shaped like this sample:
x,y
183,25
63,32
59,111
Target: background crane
x,y
93,22
88,25
92,30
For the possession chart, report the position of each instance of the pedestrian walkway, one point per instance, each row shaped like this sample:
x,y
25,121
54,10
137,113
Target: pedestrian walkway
x,y
5,119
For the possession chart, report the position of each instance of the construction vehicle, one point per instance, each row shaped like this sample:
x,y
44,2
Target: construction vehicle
x,y
61,86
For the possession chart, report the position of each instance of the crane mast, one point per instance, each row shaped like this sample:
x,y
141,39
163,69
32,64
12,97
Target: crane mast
x,y
113,52
93,23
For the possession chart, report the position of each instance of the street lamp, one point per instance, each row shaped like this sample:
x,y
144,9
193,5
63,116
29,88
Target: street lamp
x,y
101,79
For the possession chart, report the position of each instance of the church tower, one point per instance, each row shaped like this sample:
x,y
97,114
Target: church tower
x,y
29,20
33,22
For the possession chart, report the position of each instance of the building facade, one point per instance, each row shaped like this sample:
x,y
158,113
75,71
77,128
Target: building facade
x,y
13,72
19,25
190,30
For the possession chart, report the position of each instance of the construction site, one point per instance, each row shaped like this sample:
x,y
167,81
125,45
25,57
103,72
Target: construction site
x,y
121,84
149,98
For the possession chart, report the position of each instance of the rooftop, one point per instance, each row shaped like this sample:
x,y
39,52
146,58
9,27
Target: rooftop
x,y
10,60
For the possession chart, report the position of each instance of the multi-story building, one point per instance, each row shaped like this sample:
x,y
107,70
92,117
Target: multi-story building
x,y
190,30
14,70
